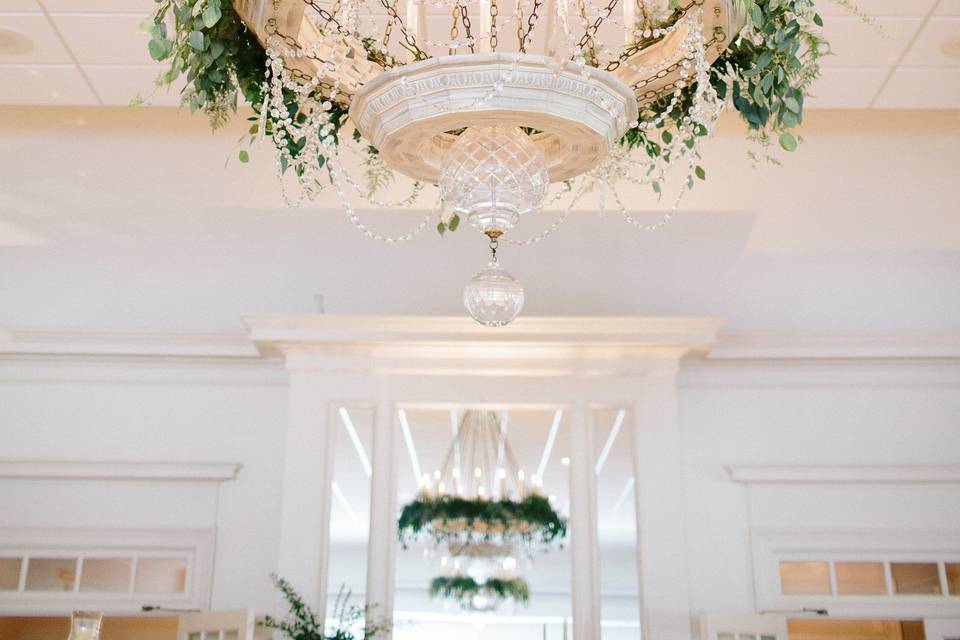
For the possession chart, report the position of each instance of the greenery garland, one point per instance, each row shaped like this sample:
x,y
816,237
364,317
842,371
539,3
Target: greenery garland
x,y
766,71
304,624
464,588
444,518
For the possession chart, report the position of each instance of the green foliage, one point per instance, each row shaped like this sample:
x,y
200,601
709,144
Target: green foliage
x,y
531,518
210,45
464,588
304,624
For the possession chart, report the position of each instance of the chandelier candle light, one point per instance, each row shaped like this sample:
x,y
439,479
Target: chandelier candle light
x,y
492,104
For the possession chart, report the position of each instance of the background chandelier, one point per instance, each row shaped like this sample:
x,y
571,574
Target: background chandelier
x,y
492,101
479,512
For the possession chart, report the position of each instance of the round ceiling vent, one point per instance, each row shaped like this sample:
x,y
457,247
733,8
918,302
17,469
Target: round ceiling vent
x,y
13,42
951,47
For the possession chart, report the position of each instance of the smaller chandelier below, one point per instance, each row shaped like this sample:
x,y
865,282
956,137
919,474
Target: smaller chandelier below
x,y
493,175
493,297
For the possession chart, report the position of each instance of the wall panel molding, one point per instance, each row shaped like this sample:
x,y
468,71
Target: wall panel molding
x,y
156,471
844,474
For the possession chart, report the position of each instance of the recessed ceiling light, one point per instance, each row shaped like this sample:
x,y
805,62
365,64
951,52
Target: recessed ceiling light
x,y
565,461
951,47
13,42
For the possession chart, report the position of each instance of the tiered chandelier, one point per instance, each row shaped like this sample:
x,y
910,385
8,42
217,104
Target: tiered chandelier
x,y
479,512
506,106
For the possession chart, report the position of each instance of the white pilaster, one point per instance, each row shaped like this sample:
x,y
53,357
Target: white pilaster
x,y
661,518
307,473
583,525
382,545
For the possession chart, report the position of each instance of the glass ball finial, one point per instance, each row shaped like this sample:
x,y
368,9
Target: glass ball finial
x,y
493,297
493,175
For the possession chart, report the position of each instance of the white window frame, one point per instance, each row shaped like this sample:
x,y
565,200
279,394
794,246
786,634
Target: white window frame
x,y
770,547
196,546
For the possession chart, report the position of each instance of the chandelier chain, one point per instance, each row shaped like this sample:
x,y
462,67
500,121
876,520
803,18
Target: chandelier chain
x,y
531,22
494,11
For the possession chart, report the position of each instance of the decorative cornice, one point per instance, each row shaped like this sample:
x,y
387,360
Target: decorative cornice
x,y
696,332
76,470
844,474
442,346
269,333
837,347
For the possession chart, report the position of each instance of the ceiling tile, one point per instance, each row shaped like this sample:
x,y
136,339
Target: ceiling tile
x,y
928,50
948,8
105,39
44,84
846,88
46,46
879,7
13,6
924,88
860,45
100,6
118,85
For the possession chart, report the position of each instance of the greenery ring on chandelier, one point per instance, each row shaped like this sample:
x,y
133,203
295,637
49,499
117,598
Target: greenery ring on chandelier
x,y
460,522
480,595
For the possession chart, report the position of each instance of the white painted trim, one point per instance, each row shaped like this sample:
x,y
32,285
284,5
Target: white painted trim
x,y
770,546
268,331
127,343
788,347
78,470
196,545
843,474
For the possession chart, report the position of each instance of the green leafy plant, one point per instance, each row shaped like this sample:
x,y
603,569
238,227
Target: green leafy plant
x,y
464,588
350,621
445,518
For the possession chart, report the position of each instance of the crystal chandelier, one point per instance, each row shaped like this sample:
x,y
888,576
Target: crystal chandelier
x,y
491,101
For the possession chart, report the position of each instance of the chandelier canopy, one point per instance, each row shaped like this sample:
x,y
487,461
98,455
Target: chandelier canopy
x,y
492,101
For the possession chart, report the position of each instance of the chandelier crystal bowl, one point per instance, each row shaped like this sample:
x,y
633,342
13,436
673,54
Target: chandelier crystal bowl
x,y
493,175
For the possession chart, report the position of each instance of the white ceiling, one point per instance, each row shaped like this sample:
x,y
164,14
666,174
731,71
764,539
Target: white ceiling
x,y
92,53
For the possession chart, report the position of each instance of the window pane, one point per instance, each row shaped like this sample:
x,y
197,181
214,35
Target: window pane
x,y
51,574
953,578
105,574
9,574
860,578
916,577
805,578
161,575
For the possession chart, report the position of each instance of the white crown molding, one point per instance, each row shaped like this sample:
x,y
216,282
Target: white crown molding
x,y
843,474
77,470
827,347
126,343
531,337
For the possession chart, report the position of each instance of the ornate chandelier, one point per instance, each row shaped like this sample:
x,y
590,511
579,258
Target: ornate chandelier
x,y
481,512
506,106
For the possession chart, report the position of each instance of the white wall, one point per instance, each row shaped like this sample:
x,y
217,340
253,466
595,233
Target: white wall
x,y
98,410
750,412
828,413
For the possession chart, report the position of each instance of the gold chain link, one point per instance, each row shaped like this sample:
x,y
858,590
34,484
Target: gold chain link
x,y
494,11
465,19
531,21
454,32
389,28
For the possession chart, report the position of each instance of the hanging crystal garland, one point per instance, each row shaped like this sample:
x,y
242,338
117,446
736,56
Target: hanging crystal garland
x,y
492,174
